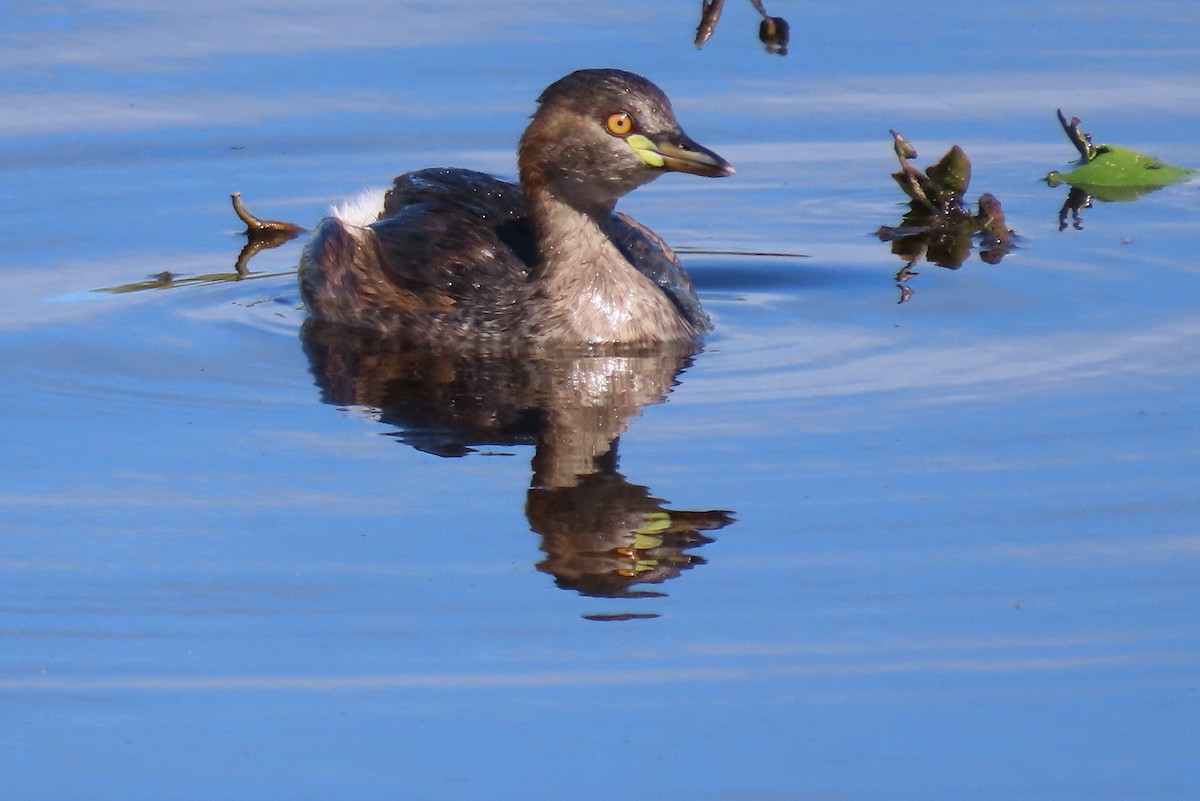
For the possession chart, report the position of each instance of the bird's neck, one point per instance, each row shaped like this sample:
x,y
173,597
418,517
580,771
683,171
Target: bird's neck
x,y
591,294
568,235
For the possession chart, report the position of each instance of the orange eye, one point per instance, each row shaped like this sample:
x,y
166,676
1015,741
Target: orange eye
x,y
619,123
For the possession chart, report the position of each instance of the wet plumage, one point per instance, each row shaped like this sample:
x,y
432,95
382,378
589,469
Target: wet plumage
x,y
457,257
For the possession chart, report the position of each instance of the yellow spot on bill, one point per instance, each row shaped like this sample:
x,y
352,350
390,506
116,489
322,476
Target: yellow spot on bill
x,y
645,149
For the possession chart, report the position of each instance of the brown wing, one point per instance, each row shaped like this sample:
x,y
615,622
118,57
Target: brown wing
x,y
451,253
458,239
654,259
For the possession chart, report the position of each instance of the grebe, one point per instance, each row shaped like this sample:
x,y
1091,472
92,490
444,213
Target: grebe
x,y
458,258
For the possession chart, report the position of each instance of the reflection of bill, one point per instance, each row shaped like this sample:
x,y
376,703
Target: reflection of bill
x,y
602,535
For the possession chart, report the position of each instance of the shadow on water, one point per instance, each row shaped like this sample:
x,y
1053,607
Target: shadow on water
x,y
602,534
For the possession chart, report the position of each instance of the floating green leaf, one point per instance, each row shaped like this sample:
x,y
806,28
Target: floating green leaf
x,y
1120,173
1110,172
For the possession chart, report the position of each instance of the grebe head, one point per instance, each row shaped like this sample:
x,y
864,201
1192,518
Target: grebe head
x,y
599,134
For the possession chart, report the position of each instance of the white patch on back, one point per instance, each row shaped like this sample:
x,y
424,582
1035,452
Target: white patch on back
x,y
360,210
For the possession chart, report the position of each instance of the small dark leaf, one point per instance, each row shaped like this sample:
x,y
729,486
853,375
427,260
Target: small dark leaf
x,y
952,173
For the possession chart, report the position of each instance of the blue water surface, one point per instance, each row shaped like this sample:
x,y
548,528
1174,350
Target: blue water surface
x,y
964,562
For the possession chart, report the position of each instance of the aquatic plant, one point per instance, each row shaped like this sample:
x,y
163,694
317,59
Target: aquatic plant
x,y
938,226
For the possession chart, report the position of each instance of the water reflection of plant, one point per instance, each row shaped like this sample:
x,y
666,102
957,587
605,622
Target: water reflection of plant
x,y
260,235
938,227
602,535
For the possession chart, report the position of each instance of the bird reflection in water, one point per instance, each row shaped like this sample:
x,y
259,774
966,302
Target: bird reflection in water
x,y
602,535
